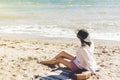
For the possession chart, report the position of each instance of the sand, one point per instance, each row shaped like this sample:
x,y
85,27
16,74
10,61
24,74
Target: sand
x,y
19,56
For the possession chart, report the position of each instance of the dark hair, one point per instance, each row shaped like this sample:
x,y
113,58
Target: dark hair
x,y
83,42
83,34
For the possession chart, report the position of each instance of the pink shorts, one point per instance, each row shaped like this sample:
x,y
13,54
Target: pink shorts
x,y
73,66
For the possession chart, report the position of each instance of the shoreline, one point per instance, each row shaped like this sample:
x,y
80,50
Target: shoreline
x,y
22,37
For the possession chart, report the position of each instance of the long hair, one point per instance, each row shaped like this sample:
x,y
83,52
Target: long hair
x,y
83,43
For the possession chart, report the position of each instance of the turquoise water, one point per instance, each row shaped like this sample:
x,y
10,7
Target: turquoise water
x,y
34,16
73,12
63,4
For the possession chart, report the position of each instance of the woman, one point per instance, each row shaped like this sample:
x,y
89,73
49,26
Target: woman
x,y
84,55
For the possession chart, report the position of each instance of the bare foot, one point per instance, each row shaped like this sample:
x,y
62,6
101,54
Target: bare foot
x,y
38,62
50,62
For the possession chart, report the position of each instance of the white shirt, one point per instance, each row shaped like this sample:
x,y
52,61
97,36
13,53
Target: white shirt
x,y
84,58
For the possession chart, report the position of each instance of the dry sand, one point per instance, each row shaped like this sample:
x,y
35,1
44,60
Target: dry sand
x,y
19,56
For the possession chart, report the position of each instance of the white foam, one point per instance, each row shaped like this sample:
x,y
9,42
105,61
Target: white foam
x,y
54,32
106,36
43,31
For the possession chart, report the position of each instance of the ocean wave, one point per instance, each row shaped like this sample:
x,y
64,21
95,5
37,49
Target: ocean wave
x,y
54,31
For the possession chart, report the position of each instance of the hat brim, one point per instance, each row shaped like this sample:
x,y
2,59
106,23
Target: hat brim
x,y
87,39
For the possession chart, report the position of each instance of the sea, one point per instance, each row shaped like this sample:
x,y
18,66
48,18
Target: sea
x,y
60,18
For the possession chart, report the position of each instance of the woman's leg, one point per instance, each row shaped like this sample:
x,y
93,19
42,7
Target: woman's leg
x,y
57,61
64,55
